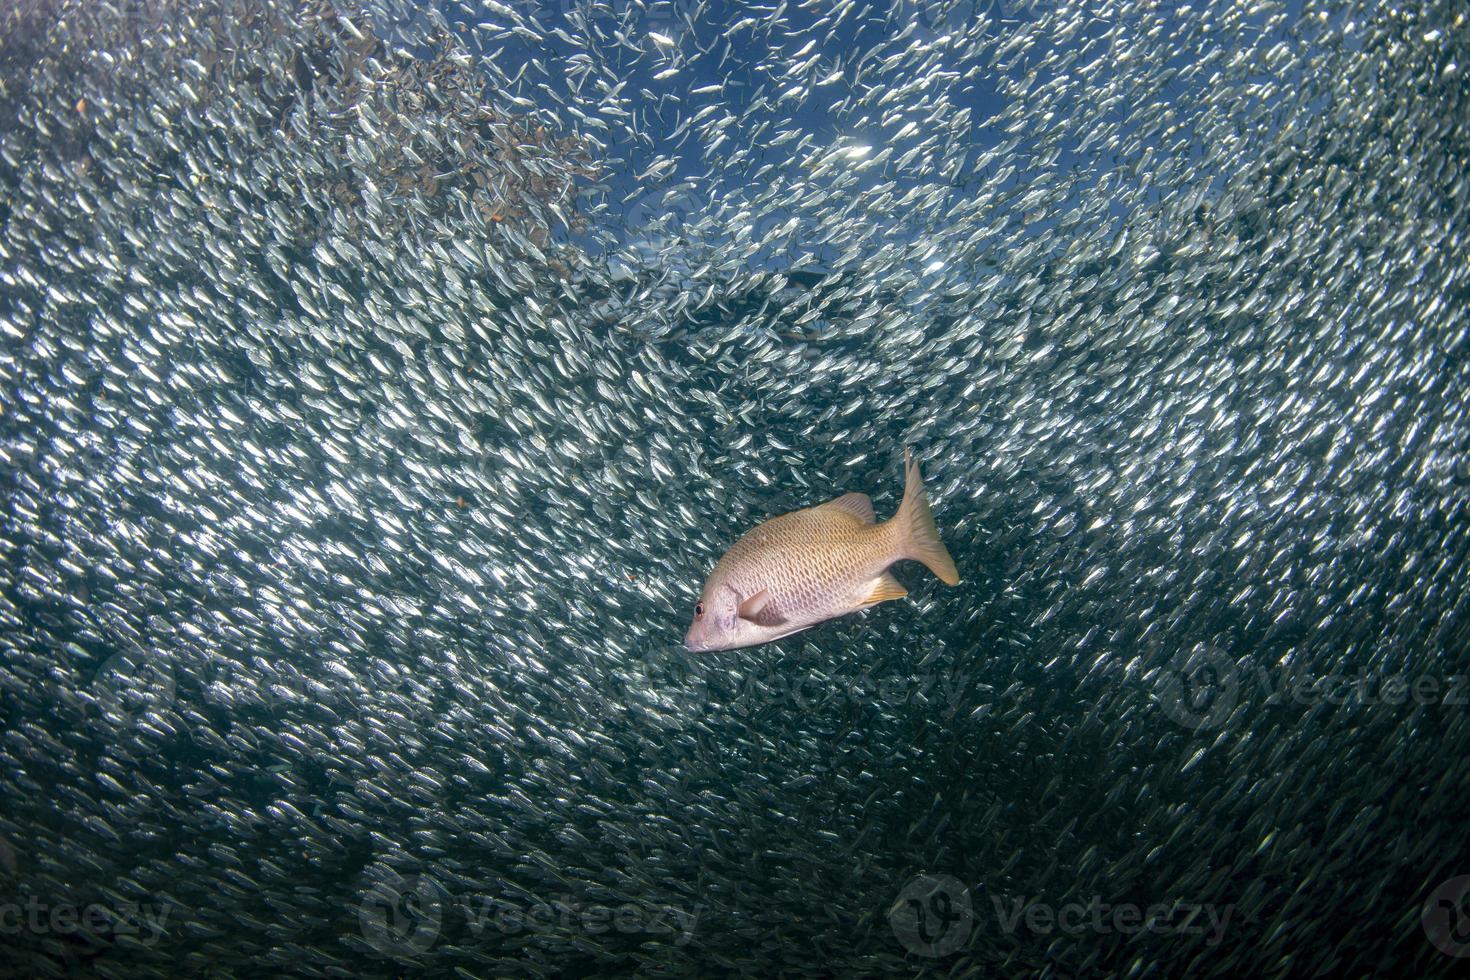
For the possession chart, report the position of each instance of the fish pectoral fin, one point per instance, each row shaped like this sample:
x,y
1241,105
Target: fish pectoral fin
x,y
859,505
883,588
759,610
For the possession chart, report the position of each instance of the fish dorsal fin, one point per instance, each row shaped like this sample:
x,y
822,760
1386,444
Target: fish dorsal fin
x,y
883,588
760,610
856,504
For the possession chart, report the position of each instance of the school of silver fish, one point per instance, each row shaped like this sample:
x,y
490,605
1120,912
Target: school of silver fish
x,y
378,383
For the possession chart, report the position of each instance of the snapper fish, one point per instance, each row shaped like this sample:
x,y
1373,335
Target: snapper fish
x,y
803,568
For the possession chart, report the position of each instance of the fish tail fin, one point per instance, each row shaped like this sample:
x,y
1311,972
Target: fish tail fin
x,y
918,536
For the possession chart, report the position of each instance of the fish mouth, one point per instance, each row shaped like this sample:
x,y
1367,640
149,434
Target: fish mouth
x,y
698,645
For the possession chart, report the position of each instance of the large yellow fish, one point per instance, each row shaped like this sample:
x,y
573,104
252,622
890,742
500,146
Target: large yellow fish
x,y
811,565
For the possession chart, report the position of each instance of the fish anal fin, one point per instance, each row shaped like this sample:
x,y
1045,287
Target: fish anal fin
x,y
760,610
883,588
859,505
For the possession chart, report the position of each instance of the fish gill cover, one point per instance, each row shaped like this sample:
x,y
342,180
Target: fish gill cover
x,y
379,384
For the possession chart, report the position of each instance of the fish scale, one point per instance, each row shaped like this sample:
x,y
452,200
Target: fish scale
x,y
799,569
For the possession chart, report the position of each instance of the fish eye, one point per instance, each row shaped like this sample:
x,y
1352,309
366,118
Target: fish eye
x,y
699,609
